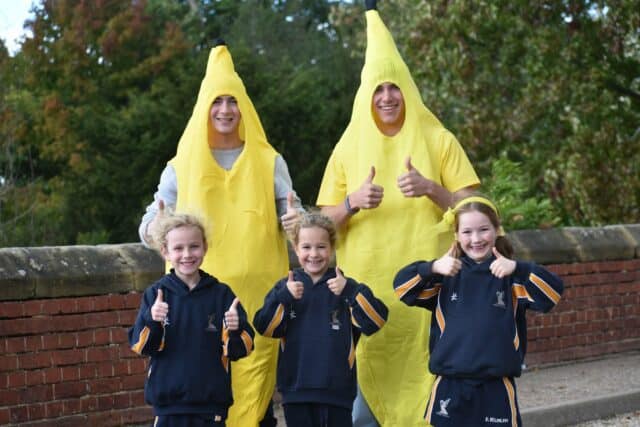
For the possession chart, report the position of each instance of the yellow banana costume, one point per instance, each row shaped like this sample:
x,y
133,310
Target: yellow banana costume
x,y
392,364
247,248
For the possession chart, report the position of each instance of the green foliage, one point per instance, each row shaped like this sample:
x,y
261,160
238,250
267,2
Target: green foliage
x,y
93,104
510,190
553,84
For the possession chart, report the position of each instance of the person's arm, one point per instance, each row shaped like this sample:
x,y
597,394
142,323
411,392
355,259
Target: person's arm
x,y
271,320
237,340
167,193
413,184
146,337
283,185
536,287
368,313
368,196
417,285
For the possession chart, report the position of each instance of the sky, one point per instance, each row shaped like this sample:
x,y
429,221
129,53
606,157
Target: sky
x,y
13,13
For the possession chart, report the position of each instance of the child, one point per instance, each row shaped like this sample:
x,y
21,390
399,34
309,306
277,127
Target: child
x,y
318,314
191,326
478,296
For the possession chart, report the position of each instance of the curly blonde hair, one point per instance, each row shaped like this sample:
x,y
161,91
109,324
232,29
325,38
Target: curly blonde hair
x,y
315,219
171,221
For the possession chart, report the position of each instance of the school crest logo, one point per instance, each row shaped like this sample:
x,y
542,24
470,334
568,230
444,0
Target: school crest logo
x,y
211,327
335,322
443,408
500,300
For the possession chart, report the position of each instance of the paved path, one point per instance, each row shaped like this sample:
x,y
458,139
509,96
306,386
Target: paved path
x,y
588,392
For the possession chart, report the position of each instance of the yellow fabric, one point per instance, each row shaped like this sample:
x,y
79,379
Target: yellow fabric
x,y
392,364
247,248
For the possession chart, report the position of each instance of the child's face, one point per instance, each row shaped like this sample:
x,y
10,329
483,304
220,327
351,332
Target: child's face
x,y
314,251
185,250
476,235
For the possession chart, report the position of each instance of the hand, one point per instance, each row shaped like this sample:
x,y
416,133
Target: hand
x,y
152,227
502,266
448,265
291,217
296,289
369,195
337,284
231,318
159,309
412,183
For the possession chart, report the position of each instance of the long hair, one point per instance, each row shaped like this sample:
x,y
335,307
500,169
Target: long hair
x,y
502,243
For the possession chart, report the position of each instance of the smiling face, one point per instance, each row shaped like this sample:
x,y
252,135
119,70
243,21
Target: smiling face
x,y
184,250
314,251
225,115
388,108
476,235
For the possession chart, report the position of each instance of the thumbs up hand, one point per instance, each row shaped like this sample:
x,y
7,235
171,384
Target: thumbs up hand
x,y
152,227
231,318
159,309
502,266
369,195
296,288
291,216
448,264
337,284
412,183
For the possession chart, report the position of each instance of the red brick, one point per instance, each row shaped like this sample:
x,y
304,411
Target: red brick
x,y
102,319
38,393
89,404
12,310
70,390
5,416
85,305
88,371
16,345
19,414
137,398
104,386
35,377
133,382
119,335
105,402
36,411
9,397
50,342
53,306
132,300
85,338
102,336
52,375
34,360
33,308
68,357
66,323
105,369
102,303
116,302
101,354
17,379
71,406
70,373
54,409
67,340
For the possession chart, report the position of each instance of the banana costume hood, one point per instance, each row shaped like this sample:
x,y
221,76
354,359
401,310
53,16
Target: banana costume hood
x,y
376,243
246,247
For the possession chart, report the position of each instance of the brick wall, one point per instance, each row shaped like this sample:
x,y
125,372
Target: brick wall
x,y
64,313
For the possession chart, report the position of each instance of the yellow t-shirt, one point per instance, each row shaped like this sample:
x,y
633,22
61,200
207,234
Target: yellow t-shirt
x,y
393,363
247,248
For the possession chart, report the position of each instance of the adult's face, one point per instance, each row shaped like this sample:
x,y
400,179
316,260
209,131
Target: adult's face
x,y
225,114
388,108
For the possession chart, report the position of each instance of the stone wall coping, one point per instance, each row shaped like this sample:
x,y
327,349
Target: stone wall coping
x,y
66,271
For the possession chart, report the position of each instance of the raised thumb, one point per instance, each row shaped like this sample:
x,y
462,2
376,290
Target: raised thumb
x,y
408,164
338,272
291,276
159,296
290,200
372,175
234,304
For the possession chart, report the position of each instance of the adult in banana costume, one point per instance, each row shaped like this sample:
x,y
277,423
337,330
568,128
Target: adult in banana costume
x,y
226,172
390,177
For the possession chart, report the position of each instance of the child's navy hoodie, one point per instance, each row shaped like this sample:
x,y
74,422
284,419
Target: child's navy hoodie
x,y
189,370
478,327
318,335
